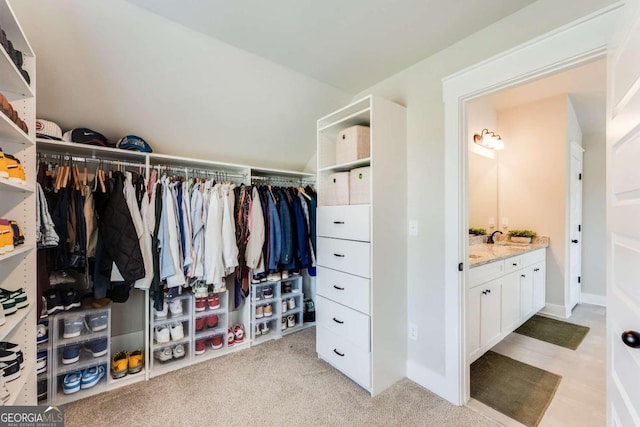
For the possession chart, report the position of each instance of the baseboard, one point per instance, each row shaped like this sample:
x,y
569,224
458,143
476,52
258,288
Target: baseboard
x,y
593,299
555,310
432,381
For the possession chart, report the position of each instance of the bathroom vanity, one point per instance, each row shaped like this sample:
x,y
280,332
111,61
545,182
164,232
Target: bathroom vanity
x,y
505,287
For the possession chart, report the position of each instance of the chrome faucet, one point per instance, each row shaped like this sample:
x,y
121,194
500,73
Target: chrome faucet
x,y
490,239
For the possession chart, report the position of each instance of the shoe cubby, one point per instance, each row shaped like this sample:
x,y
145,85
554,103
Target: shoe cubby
x,y
44,360
171,352
79,348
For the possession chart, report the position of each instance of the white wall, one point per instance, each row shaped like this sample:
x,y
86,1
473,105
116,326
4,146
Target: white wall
x,y
118,69
594,225
532,179
420,88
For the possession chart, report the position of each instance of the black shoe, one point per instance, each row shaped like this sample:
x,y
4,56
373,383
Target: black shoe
x,y
10,370
70,299
54,301
42,390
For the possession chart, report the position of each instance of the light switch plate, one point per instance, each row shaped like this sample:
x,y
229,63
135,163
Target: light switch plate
x,y
413,332
413,227
505,222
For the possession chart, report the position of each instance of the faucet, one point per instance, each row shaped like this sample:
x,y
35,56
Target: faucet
x,y
490,239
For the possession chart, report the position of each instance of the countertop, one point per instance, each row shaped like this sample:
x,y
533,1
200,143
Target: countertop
x,y
480,254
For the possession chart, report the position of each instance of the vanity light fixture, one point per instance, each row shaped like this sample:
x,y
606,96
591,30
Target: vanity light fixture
x,y
488,139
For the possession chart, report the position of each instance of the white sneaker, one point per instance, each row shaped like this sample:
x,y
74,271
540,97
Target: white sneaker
x,y
257,332
291,303
200,290
162,334
259,312
175,307
162,314
178,351
164,354
283,324
177,331
264,328
291,321
284,306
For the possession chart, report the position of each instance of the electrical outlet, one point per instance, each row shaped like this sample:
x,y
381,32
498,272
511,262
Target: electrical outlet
x,y
413,331
413,227
492,222
505,222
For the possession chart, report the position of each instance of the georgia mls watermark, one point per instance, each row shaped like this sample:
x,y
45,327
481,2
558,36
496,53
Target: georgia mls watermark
x,y
31,416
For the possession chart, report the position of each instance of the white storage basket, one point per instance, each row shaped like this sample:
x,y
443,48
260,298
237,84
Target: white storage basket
x,y
335,190
353,144
359,186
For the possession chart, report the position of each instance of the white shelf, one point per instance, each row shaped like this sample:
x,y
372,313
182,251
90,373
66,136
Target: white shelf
x,y
160,346
344,167
294,311
13,320
13,85
10,133
86,361
84,150
356,113
207,312
17,251
208,333
267,172
63,399
295,293
299,327
15,387
7,185
188,162
160,368
128,379
12,28
273,335
169,319
84,337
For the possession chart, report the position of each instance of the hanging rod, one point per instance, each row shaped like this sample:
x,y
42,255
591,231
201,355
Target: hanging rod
x,y
198,171
283,180
81,159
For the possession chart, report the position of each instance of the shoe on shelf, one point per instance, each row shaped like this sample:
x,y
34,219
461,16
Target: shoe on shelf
x,y
119,365
136,361
257,331
213,301
3,320
73,326
268,311
41,362
164,354
274,277
267,293
92,376
177,331
161,314
70,354
97,322
259,312
15,169
291,303
97,348
286,288
8,356
201,304
231,338
6,236
163,335
43,333
14,348
216,342
42,391
284,306
19,295
200,290
199,324
54,301
257,297
4,171
18,235
178,351
238,333
264,328
175,307
199,347
8,305
212,321
70,299
71,382
285,275
10,370
291,321
283,324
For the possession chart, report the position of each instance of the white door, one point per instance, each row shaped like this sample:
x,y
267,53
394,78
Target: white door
x,y
575,225
623,221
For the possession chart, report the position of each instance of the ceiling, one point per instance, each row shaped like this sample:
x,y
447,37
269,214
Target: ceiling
x,y
350,45
586,86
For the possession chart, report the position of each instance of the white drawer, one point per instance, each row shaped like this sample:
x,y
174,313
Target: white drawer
x,y
484,273
347,289
352,361
344,255
344,222
348,324
533,257
512,264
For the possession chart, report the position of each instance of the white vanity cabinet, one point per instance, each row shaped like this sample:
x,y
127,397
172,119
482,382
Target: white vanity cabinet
x,y
501,296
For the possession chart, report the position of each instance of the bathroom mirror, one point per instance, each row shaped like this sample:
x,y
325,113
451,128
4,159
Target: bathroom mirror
x,y
483,191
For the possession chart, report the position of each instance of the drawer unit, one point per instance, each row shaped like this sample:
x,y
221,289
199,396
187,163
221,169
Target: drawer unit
x,y
484,273
344,356
344,222
345,322
512,264
346,289
344,255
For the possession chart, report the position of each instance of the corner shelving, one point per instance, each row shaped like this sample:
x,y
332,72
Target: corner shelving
x,y
7,185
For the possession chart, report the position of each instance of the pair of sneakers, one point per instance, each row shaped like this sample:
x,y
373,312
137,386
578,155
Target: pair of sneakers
x,y
209,321
87,378
212,301
235,335
124,363
216,342
11,301
262,329
288,322
10,235
169,353
61,299
170,332
11,168
174,307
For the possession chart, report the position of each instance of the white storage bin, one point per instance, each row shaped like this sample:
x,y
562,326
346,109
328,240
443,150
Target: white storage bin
x,y
353,144
336,189
359,186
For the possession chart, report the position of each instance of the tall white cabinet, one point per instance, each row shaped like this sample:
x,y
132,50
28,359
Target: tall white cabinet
x,y
18,202
361,322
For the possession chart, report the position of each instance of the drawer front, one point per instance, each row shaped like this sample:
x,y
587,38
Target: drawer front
x,y
512,264
347,289
484,273
344,356
344,255
344,222
533,257
348,324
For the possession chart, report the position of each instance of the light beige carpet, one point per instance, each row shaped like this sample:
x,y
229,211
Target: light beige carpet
x,y
281,383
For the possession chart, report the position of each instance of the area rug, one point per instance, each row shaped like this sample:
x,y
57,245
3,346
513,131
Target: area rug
x,y
519,391
553,331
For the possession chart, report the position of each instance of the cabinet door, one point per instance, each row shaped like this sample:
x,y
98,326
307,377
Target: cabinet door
x,y
490,314
526,293
539,286
510,302
474,297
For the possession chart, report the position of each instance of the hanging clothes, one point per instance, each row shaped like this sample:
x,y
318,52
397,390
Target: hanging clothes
x,y
213,261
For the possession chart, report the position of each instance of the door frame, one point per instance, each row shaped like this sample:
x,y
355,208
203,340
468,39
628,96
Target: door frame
x,y
574,44
575,149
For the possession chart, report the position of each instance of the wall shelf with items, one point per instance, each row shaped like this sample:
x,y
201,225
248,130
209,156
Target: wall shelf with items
x,y
10,134
285,298
210,328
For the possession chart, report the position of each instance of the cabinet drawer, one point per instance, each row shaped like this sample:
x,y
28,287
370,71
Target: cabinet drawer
x,y
484,273
347,289
512,264
344,222
344,255
533,257
348,324
344,356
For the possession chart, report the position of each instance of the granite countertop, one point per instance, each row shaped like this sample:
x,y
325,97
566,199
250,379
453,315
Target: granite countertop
x,y
480,254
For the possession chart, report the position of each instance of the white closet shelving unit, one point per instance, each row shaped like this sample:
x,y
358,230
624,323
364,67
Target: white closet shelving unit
x,y
19,203
361,283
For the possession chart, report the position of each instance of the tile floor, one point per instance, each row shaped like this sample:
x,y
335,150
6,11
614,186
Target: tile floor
x,y
581,397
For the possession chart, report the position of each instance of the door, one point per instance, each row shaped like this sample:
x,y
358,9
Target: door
x,y
623,221
575,227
